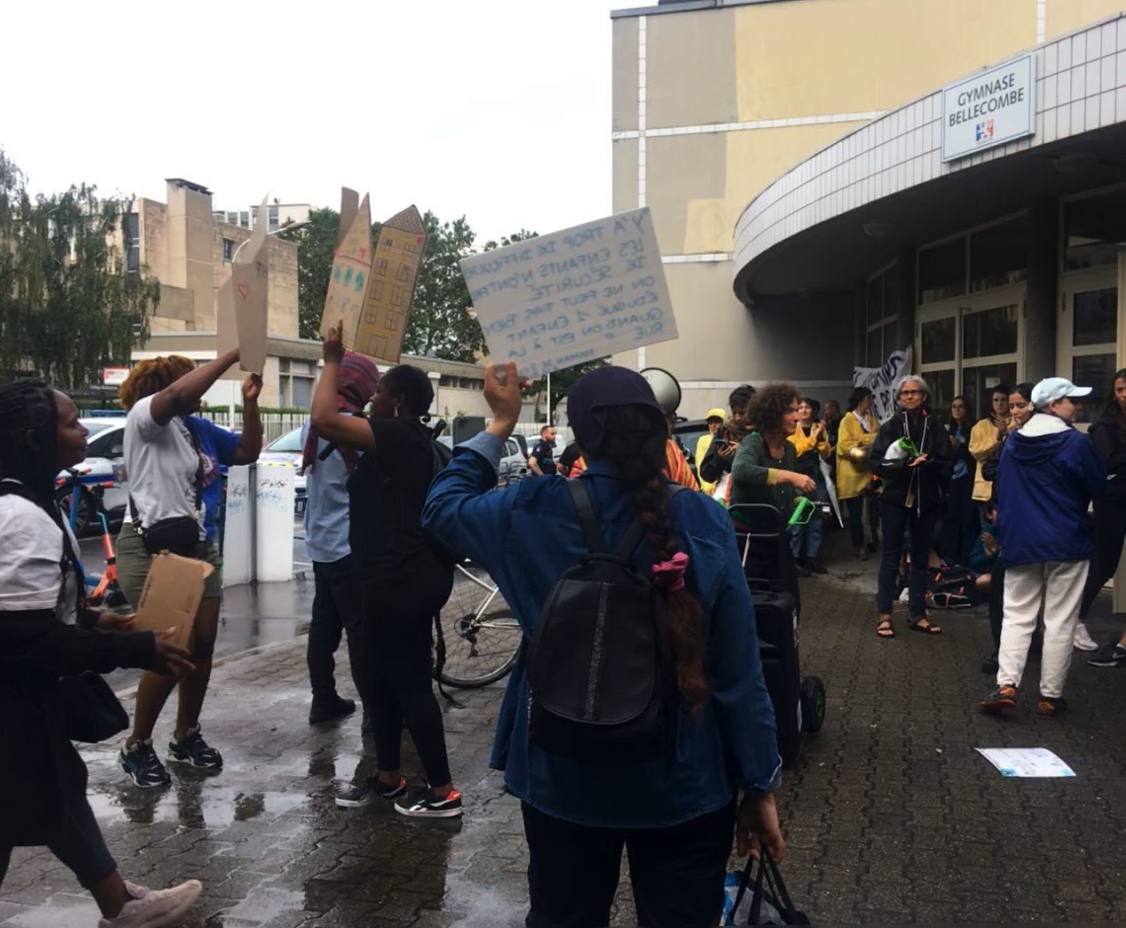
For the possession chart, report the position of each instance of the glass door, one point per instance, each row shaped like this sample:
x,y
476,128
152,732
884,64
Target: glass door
x,y
1088,334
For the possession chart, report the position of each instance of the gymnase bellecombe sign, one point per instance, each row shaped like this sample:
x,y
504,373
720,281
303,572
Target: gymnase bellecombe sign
x,y
988,109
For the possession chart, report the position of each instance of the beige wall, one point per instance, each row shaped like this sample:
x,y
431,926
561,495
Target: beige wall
x,y
281,256
693,63
624,58
188,249
151,217
1068,15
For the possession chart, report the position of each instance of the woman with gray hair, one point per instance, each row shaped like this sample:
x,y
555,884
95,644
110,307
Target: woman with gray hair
x,y
912,456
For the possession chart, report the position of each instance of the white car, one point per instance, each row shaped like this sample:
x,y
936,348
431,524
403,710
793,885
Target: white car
x,y
288,450
513,466
100,473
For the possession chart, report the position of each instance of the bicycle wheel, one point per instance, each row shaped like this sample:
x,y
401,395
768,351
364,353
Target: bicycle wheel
x,y
481,634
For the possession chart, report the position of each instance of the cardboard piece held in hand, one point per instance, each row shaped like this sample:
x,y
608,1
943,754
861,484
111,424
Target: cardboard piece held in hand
x,y
171,596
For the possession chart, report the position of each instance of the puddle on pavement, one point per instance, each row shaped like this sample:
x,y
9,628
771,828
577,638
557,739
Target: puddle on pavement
x,y
64,911
263,905
192,804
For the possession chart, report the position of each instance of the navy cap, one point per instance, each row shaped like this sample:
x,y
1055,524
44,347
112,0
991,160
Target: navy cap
x,y
601,389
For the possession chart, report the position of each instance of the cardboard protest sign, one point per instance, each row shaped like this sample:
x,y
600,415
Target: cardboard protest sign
x,y
348,281
573,296
349,206
394,273
171,596
243,300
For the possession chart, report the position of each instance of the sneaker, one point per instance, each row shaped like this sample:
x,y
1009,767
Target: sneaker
x,y
1004,697
816,566
424,804
328,708
364,794
1048,707
1083,639
800,569
151,908
1114,656
143,766
195,751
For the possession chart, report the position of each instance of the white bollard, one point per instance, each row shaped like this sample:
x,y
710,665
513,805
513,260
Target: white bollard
x,y
238,563
275,522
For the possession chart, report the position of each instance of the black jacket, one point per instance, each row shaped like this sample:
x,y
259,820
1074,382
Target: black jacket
x,y
713,467
925,486
1110,445
41,774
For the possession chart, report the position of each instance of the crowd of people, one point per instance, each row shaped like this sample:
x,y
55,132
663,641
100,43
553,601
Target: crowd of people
x,y
1000,505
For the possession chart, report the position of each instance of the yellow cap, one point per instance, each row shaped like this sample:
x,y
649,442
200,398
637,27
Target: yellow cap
x,y
716,414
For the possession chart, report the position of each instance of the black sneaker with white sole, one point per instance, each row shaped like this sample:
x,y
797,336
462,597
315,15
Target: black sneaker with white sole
x,y
195,751
1113,656
143,766
363,794
424,804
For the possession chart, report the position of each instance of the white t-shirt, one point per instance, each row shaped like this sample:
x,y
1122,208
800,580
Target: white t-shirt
x,y
161,465
30,573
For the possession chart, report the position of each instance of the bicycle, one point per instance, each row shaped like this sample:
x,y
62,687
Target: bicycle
x,y
79,506
478,636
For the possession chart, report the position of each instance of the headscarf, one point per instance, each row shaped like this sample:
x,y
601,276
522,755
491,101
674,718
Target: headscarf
x,y
354,389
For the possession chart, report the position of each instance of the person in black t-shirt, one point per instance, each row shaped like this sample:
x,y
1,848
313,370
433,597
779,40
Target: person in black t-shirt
x,y
542,458
404,583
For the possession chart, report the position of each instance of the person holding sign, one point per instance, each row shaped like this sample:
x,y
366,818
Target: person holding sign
x,y
404,581
42,777
674,807
173,459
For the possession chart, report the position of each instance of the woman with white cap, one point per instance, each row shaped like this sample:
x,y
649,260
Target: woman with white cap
x,y
1049,472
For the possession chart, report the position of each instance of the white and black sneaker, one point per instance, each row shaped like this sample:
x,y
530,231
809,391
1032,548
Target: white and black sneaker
x,y
143,766
363,794
424,804
195,751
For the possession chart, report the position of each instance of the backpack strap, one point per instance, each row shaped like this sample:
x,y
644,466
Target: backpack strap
x,y
591,533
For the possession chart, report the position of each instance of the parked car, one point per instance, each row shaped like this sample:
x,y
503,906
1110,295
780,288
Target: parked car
x,y
688,433
513,466
101,473
288,450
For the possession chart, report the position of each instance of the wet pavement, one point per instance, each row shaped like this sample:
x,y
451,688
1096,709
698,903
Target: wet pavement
x,y
890,814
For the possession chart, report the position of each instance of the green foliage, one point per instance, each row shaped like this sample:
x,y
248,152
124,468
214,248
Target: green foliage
x,y
67,306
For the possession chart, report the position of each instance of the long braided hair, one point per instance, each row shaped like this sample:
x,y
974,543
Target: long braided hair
x,y
29,406
634,443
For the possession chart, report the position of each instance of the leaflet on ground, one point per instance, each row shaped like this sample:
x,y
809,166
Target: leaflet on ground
x,y
572,296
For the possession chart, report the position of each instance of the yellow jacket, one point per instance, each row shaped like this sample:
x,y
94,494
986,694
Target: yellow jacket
x,y
984,440
702,446
803,444
853,479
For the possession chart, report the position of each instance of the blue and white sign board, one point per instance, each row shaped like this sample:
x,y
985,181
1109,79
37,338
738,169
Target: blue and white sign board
x,y
573,296
989,109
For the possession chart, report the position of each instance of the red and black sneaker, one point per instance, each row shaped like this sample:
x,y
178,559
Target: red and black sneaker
x,y
1048,707
1004,697
425,804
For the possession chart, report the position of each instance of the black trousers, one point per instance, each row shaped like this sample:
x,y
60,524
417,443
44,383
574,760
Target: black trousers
x,y
855,507
961,523
337,610
677,873
1108,535
78,843
897,520
398,640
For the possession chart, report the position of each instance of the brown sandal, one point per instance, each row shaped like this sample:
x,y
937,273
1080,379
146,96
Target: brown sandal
x,y
885,629
928,629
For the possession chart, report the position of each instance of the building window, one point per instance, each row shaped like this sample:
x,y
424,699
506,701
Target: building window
x,y
999,254
244,220
380,267
1094,231
992,331
272,216
228,249
232,218
403,274
942,270
132,243
399,297
377,290
881,315
296,380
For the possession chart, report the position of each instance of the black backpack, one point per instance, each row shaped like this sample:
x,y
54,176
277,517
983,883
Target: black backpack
x,y
601,682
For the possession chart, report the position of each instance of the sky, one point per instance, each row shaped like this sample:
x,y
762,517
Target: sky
x,y
498,110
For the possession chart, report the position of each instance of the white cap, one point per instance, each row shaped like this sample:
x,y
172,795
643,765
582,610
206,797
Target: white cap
x,y
1051,389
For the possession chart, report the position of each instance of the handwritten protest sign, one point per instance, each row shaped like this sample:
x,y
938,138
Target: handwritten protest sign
x,y
348,280
881,381
573,296
394,272
243,302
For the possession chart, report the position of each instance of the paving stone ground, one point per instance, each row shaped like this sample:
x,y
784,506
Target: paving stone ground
x,y
890,814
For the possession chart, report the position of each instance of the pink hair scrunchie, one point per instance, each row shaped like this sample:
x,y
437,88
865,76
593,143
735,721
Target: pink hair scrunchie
x,y
670,574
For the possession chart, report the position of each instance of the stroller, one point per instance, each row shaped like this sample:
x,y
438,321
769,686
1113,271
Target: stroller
x,y
799,703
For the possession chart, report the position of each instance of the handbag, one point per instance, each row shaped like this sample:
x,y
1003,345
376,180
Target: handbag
x,y
769,902
91,712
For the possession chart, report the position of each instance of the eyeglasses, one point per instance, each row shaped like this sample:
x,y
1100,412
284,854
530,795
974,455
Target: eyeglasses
x,y
910,392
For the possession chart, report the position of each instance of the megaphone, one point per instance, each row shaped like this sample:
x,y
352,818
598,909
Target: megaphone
x,y
665,388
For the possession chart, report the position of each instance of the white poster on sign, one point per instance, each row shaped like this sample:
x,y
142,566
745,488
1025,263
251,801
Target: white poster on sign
x,y
572,296
274,522
988,109
881,381
237,526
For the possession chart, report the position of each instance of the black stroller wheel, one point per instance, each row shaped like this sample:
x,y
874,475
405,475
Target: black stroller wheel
x,y
812,704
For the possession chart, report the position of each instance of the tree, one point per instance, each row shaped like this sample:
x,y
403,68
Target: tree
x,y
68,304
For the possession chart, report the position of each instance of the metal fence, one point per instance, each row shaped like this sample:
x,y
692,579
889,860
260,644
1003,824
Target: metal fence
x,y
274,424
